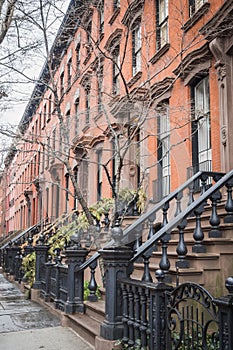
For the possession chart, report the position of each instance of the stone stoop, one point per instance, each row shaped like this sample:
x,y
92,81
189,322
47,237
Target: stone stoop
x,y
87,325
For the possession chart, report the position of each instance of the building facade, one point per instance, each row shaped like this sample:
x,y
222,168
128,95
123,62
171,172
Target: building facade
x,y
135,94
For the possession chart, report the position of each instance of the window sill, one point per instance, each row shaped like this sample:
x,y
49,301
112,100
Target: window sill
x,y
134,79
114,16
160,53
196,16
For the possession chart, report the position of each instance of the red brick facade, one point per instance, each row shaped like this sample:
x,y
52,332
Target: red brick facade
x,y
160,67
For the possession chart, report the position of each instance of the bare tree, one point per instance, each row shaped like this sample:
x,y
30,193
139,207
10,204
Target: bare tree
x,y
129,120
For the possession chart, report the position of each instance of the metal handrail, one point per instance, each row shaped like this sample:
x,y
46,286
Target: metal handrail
x,y
152,212
183,215
21,234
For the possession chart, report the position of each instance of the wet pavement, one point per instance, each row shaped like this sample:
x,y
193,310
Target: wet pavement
x,y
27,325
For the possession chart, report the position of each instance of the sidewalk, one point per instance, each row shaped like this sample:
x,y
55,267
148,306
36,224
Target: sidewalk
x,y
25,325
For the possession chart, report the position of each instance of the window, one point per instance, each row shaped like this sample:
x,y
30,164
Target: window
x,y
162,23
38,164
163,149
201,141
114,164
116,4
67,193
136,48
100,87
61,84
60,139
44,115
101,18
54,140
99,174
69,72
87,102
47,202
83,170
75,193
35,166
49,108
68,126
36,129
76,115
116,71
195,5
43,160
39,120
48,150
89,41
77,58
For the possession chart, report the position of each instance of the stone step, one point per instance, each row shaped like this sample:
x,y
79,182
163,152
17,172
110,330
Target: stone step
x,y
85,326
96,310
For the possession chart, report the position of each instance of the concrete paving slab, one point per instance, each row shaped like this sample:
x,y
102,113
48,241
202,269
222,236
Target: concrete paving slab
x,y
57,338
26,325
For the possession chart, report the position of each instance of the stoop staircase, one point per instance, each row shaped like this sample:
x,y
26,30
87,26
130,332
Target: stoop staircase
x,y
208,265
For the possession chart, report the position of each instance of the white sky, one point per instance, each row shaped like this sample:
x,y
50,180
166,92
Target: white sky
x,y
12,111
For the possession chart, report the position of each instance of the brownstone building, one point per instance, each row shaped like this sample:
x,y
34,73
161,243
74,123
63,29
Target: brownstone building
x,y
143,86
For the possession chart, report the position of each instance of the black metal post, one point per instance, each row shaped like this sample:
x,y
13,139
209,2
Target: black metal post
x,y
116,262
157,314
45,293
75,256
14,250
41,251
225,313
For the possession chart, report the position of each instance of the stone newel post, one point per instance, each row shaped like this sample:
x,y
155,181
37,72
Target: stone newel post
x,y
116,262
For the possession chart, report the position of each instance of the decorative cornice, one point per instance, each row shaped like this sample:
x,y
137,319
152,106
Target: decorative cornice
x,y
113,40
159,89
96,140
193,60
133,11
125,104
80,143
220,24
135,78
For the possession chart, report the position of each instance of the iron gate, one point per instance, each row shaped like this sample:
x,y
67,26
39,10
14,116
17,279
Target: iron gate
x,y
192,318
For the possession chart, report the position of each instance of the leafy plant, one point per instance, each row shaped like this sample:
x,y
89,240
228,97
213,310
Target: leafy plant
x,y
127,196
28,266
137,345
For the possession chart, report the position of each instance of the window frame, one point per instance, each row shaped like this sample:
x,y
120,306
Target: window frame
x,y
62,88
163,148
69,71
101,18
87,103
162,15
116,71
136,47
